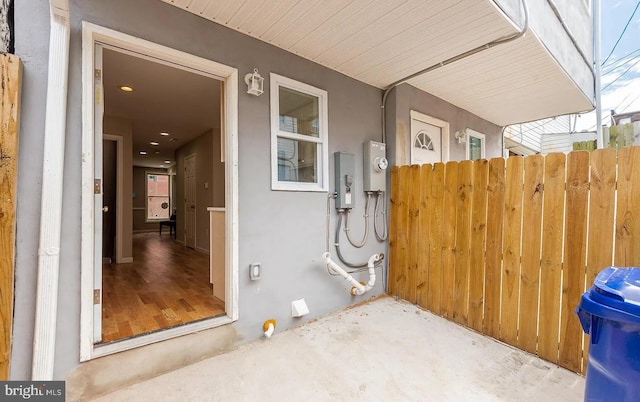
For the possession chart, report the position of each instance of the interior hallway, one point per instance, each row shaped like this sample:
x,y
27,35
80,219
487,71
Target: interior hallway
x,y
385,350
166,285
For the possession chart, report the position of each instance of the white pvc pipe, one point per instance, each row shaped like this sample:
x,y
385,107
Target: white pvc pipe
x,y
358,288
598,71
269,331
44,339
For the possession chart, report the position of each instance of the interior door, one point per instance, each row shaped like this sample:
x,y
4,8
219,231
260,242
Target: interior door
x,y
426,143
109,168
190,200
98,194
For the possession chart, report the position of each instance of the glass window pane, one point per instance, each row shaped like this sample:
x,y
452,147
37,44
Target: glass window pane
x,y
297,161
158,184
475,148
298,112
157,207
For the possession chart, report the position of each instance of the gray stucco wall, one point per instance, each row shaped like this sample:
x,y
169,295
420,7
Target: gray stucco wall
x,y
549,30
405,98
285,231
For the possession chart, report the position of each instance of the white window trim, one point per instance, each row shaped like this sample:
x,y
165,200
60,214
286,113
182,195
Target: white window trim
x,y
323,137
146,196
472,133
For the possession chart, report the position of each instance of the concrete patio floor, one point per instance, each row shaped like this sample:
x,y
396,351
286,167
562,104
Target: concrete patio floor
x,y
385,350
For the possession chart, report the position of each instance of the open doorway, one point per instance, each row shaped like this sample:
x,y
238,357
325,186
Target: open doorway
x,y
169,120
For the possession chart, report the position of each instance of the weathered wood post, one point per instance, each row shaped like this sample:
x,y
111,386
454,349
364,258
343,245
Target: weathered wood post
x,y
10,77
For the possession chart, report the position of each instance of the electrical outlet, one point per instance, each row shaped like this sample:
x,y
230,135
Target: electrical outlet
x,y
255,270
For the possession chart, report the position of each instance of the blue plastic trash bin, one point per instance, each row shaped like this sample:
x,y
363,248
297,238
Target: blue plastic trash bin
x,y
610,313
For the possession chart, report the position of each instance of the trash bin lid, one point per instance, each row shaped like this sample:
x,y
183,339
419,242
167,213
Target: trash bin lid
x,y
618,288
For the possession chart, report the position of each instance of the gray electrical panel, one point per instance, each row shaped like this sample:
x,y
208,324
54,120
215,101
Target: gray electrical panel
x,y
375,166
345,166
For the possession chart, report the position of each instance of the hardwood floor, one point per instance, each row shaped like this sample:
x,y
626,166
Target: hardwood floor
x,y
166,285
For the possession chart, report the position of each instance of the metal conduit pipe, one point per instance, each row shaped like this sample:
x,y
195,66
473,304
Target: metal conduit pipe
x,y
453,59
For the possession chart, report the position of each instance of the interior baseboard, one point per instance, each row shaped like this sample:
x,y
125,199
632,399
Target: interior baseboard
x,y
126,260
106,260
145,231
203,250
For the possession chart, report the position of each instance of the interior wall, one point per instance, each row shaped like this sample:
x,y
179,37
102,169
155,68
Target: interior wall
x,y
124,128
206,186
139,200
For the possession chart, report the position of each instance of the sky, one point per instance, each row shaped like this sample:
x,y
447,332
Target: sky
x,y
621,72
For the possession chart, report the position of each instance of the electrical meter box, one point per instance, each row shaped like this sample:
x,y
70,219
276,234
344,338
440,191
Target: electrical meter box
x,y
345,167
375,166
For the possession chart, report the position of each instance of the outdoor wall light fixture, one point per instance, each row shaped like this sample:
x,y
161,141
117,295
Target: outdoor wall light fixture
x,y
254,83
461,136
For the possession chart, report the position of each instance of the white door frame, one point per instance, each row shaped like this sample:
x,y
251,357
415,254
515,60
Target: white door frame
x,y
444,126
92,34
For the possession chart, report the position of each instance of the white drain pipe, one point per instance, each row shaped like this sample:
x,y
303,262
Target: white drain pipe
x,y
44,336
359,288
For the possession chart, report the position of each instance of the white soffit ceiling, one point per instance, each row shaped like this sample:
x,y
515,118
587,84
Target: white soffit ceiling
x,y
380,42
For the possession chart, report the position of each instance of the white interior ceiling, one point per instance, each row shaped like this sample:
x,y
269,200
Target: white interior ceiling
x,y
380,42
165,99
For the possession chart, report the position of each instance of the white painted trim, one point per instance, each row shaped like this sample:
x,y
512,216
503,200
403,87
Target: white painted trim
x,y
46,308
142,340
323,138
444,126
119,193
473,133
91,34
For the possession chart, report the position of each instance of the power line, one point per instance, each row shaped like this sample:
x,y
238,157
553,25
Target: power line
x,y
620,62
623,31
621,75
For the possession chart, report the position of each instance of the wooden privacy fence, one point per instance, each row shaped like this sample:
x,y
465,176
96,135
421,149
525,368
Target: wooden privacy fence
x,y
507,247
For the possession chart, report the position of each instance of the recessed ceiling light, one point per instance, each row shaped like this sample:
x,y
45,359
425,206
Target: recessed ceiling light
x,y
125,88
167,161
164,134
157,152
143,152
155,144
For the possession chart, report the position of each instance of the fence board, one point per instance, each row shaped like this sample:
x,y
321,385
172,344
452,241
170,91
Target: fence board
x,y
531,241
575,256
553,219
424,202
402,285
478,239
627,249
394,252
463,237
415,241
11,76
495,199
511,250
449,237
435,235
601,222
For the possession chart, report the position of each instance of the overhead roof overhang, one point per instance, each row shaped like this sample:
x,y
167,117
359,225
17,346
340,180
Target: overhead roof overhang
x,y
381,42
